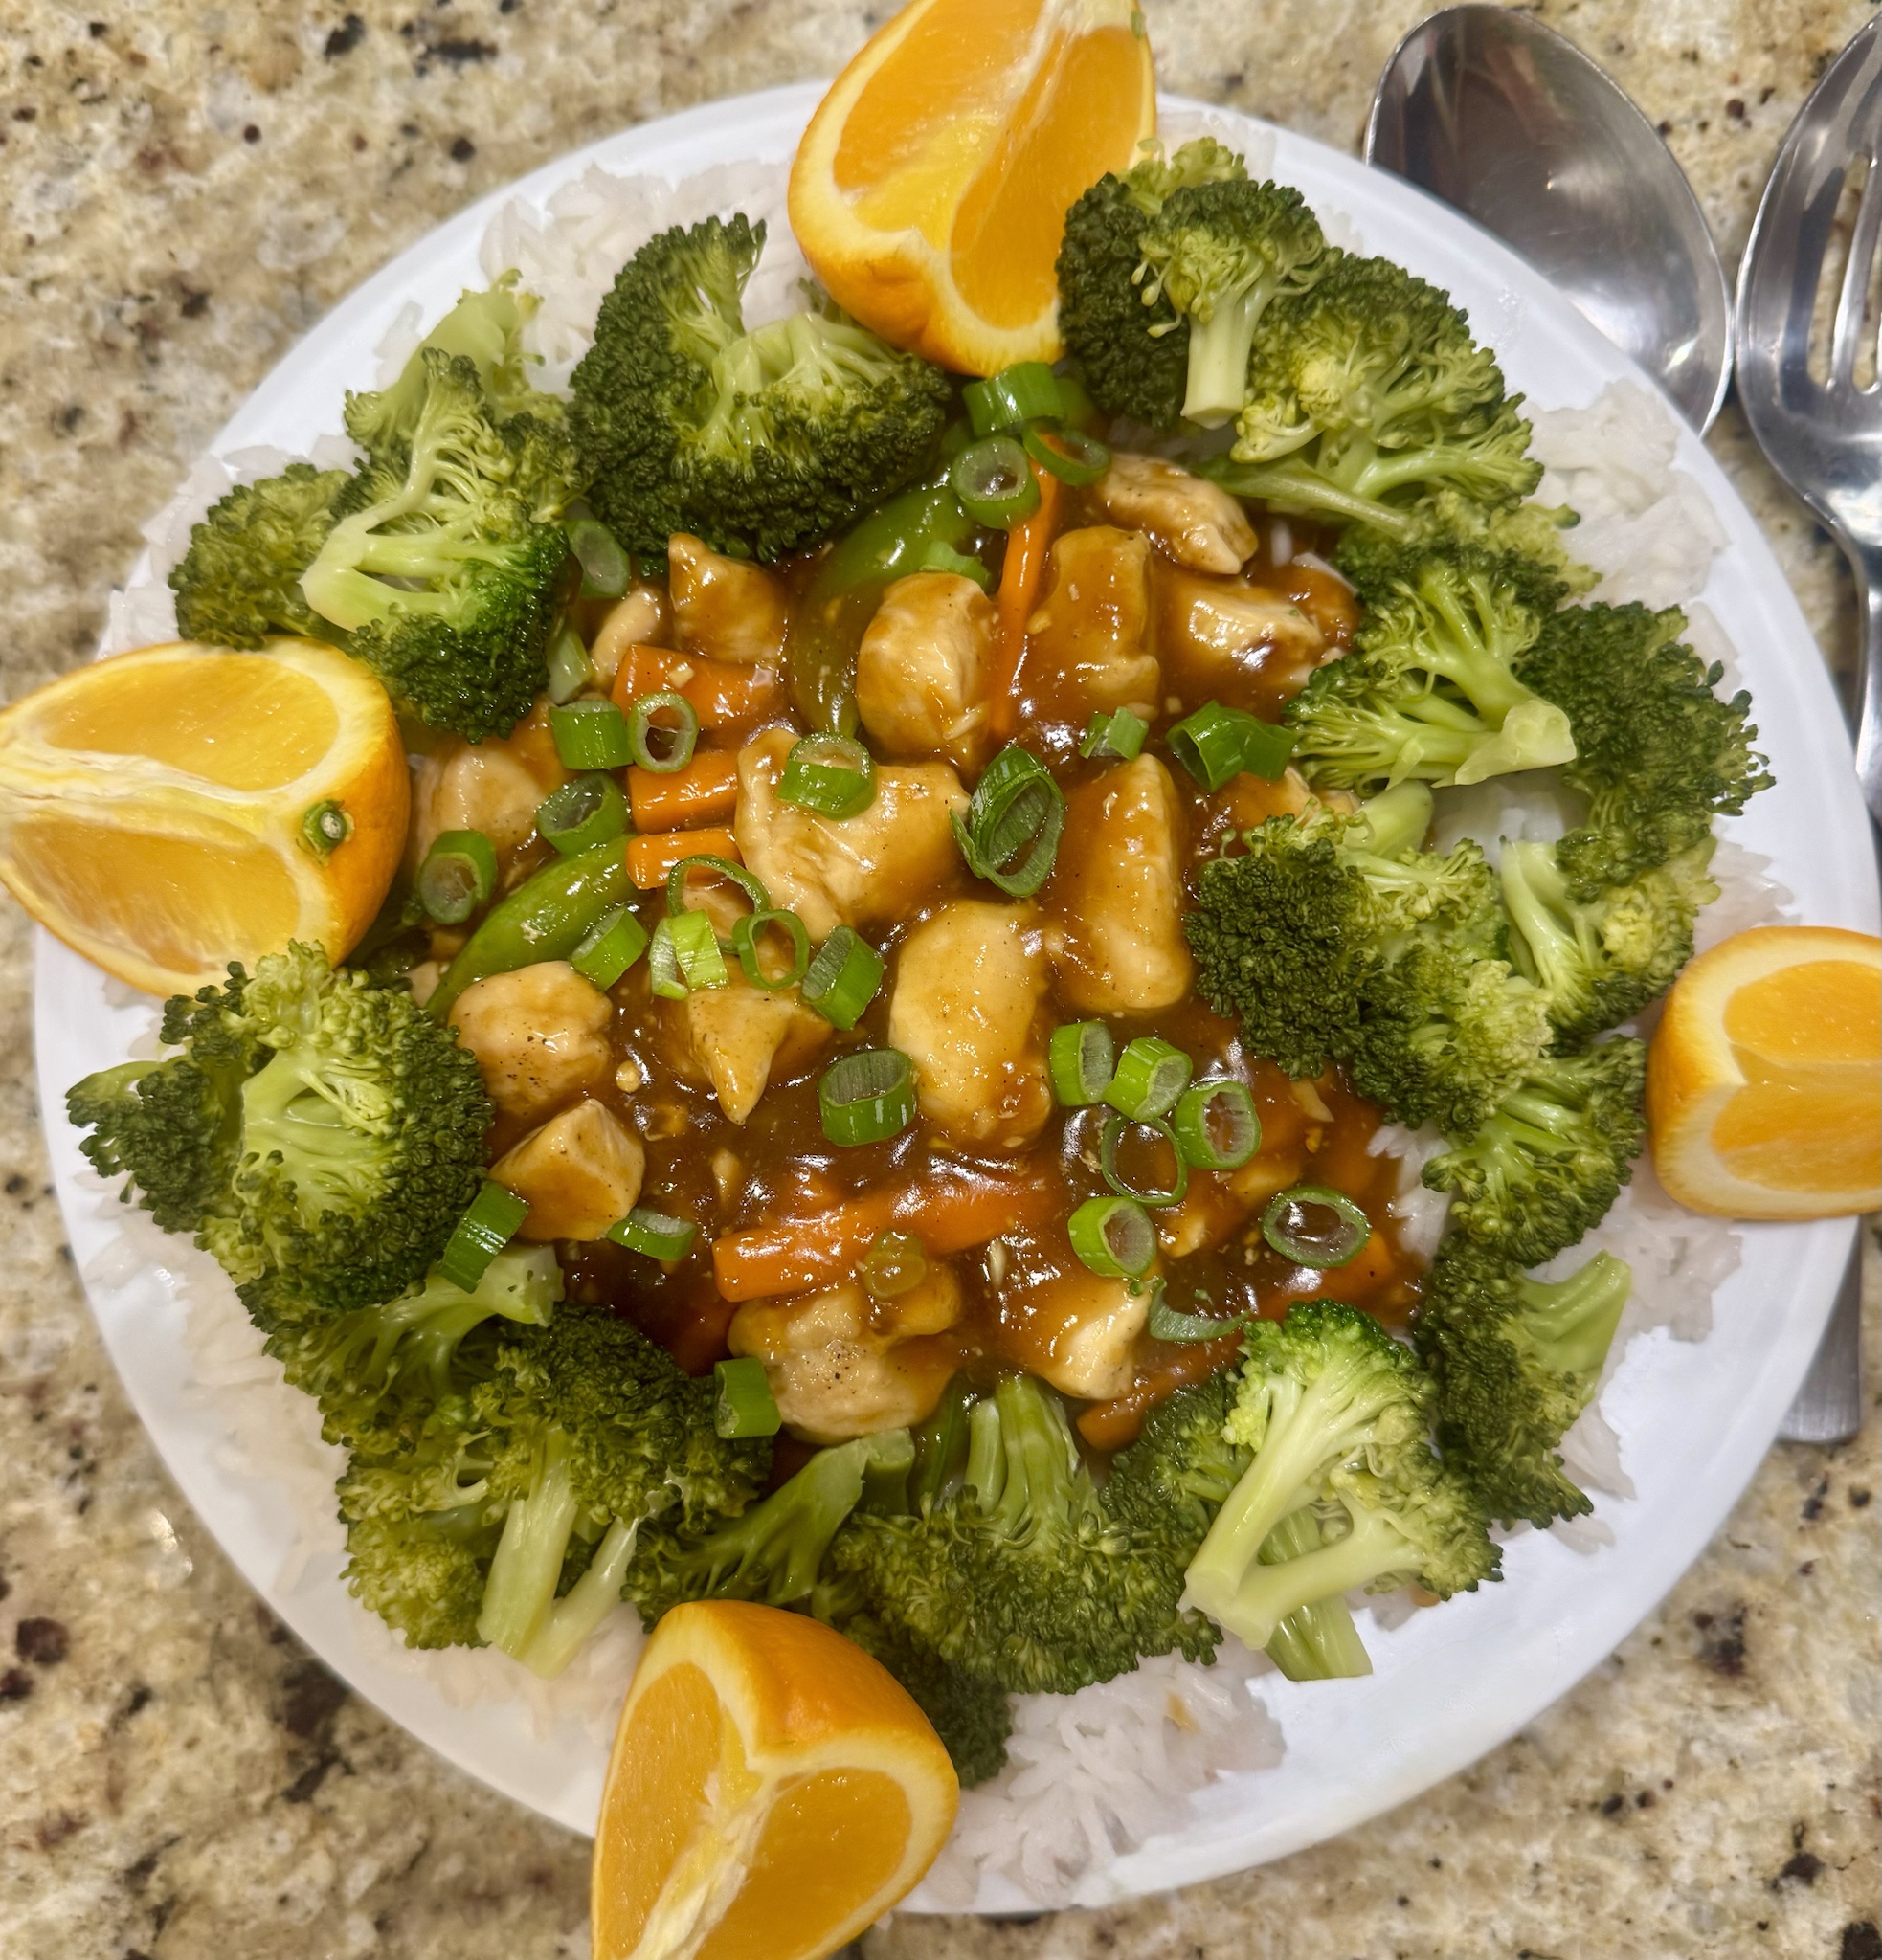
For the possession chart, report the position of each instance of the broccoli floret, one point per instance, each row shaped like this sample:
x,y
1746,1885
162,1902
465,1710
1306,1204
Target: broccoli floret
x,y
1020,1578
1429,692
1657,753
972,1718
1317,1642
241,579
758,442
1221,253
1551,1160
1516,1360
1130,342
1335,1413
320,1136
446,569
1367,396
1599,962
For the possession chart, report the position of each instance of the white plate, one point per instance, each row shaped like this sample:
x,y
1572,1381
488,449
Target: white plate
x,y
1694,1418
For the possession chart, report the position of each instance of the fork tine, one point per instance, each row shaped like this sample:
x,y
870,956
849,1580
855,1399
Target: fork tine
x,y
1853,302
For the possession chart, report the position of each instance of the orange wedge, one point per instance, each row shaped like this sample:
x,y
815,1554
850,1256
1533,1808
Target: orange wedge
x,y
929,191
773,1791
154,808
1764,1078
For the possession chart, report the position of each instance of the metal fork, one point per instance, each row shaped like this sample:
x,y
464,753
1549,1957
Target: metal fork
x,y
1825,438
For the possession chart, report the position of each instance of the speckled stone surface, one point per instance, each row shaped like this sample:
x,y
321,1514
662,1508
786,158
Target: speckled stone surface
x,y
184,188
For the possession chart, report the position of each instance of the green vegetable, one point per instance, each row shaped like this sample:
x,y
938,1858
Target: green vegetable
x,y
589,810
571,672
591,734
677,739
609,948
842,979
759,442
653,1234
1014,821
866,1096
493,1219
1216,1125
695,950
833,775
1119,733
1315,1225
1215,743
1113,1237
457,876
241,579
994,482
1013,396
319,1135
607,571
748,930
745,1406
1149,1075
1159,1198
325,827
1074,458
1317,1642
1081,1058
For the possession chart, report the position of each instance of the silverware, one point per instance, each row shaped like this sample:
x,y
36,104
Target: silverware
x,y
1497,114
1809,393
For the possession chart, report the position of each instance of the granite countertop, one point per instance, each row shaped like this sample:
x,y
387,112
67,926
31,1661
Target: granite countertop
x,y
184,189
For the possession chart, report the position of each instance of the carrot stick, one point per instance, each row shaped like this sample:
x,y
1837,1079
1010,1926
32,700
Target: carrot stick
x,y
947,1211
649,860
705,788
719,692
1026,546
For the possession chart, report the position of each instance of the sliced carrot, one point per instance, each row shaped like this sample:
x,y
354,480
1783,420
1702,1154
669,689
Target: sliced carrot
x,y
1019,580
948,1211
705,788
650,858
720,692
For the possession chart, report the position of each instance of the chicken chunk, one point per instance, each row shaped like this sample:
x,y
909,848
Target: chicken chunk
x,y
1115,894
1086,644
580,1173
1082,1332
725,607
1215,632
640,617
1196,523
736,1037
970,983
922,670
540,1035
493,785
840,1365
861,871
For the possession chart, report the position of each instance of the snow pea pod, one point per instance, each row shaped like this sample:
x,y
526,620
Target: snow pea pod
x,y
545,918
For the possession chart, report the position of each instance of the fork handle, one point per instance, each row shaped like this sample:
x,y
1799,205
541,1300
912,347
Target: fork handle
x,y
1868,568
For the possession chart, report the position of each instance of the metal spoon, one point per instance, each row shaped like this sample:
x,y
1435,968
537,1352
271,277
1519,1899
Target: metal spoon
x,y
1497,115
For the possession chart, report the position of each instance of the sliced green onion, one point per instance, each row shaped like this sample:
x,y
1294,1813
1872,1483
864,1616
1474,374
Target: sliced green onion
x,y
843,978
1166,1324
867,1095
1216,1125
745,1405
664,975
569,669
324,828
457,876
1150,1075
896,1263
582,813
1315,1225
612,945
996,483
676,742
1119,733
1082,1057
606,569
832,774
1020,394
721,867
1070,454
1014,821
590,734
1108,1143
655,1233
1076,407
1216,743
746,934
937,555
493,1220
695,950
1113,1237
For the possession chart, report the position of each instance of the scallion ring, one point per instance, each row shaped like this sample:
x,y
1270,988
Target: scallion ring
x,y
1081,1058
996,483
606,569
1216,1125
832,774
1217,743
653,1234
1119,733
676,742
843,978
896,1263
570,668
1022,392
747,933
1014,819
1315,1225
325,827
1075,459
1151,1074
591,734
695,950
610,947
1166,1324
664,975
744,1405
1108,1143
1113,1237
493,1219
720,867
589,810
457,876
866,1096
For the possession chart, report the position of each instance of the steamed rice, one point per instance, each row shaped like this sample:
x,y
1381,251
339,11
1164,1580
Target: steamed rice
x,y
1090,1774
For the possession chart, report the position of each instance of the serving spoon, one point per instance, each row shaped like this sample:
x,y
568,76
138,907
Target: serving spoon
x,y
1500,117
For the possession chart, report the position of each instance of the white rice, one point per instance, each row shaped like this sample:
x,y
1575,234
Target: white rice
x,y
1090,1774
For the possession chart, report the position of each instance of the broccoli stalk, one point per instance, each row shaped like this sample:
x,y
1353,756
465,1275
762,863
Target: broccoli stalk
x,y
1516,1361
1317,1642
1335,1413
